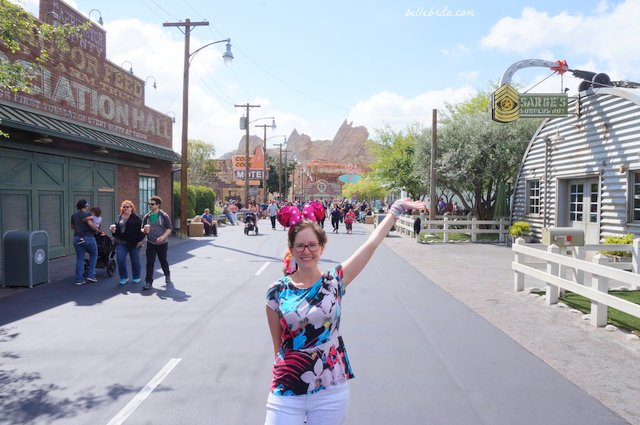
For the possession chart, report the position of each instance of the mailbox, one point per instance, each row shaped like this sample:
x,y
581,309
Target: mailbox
x,y
562,236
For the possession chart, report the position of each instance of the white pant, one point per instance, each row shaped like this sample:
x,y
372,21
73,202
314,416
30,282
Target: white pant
x,y
326,407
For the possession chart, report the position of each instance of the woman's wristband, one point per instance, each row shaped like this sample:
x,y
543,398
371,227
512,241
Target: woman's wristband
x,y
397,209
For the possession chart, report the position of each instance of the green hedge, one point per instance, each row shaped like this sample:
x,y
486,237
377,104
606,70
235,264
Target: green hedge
x,y
198,198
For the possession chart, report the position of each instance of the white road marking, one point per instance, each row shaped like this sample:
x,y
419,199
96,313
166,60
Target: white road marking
x,y
144,393
264,266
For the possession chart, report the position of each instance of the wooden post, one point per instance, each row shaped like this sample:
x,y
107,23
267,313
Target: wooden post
x,y
599,283
518,277
474,227
445,228
635,257
433,182
578,274
554,270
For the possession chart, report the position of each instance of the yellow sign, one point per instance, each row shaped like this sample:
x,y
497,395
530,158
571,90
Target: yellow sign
x,y
508,105
505,104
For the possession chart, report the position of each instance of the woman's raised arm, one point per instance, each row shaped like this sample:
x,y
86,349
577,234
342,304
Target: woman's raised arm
x,y
354,264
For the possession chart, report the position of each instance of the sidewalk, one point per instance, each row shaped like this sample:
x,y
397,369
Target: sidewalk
x,y
603,363
61,270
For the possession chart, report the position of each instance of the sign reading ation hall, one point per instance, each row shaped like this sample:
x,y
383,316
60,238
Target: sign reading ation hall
x,y
508,105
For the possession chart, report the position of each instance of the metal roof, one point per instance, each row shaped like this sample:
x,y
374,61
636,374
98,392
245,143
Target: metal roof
x,y
13,117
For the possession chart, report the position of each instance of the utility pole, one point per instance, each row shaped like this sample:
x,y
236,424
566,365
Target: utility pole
x,y
246,154
434,142
184,163
280,171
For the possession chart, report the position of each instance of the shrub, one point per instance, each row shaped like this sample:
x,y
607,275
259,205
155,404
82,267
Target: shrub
x,y
519,228
618,240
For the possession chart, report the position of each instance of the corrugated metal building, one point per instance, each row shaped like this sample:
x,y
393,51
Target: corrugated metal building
x,y
583,170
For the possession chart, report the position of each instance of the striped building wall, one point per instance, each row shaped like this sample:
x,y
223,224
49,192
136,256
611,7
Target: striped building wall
x,y
599,141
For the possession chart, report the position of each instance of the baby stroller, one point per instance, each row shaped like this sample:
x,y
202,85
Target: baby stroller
x,y
250,224
106,255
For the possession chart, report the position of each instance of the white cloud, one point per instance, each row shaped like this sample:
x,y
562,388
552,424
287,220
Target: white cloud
x,y
397,111
469,75
606,37
457,51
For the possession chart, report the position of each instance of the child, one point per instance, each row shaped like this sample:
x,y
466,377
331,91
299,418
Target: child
x,y
95,216
348,220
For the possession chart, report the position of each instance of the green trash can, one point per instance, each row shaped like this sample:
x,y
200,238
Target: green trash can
x,y
25,258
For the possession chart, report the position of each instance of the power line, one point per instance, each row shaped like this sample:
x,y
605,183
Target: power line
x,y
164,10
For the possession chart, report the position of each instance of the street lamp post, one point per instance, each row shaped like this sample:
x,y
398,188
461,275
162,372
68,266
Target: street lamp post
x,y
264,162
245,126
228,57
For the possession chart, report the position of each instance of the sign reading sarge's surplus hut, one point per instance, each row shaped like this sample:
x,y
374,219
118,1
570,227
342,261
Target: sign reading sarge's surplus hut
x,y
543,105
508,105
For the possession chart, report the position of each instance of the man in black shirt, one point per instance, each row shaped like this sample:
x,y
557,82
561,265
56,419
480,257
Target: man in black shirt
x,y
84,242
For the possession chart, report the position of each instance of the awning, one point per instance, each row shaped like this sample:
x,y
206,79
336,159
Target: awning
x,y
17,118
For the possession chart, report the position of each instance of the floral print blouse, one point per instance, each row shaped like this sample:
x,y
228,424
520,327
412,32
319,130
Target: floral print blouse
x,y
312,355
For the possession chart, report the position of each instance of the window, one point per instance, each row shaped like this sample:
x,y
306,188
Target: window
x,y
576,202
146,189
636,196
593,204
533,197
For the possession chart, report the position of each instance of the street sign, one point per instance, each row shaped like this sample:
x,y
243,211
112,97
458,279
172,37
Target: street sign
x,y
508,105
544,105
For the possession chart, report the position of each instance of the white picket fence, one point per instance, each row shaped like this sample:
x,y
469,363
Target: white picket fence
x,y
454,224
591,279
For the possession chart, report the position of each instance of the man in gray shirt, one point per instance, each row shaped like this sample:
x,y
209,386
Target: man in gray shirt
x,y
157,225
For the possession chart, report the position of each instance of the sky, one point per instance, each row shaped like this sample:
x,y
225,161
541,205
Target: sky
x,y
374,63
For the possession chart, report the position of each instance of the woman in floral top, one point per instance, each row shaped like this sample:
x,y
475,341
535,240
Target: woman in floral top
x,y
312,369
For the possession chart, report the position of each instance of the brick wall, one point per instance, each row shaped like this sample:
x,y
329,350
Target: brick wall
x,y
128,183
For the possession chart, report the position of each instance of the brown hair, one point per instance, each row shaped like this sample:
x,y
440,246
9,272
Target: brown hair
x,y
293,232
127,202
156,199
307,224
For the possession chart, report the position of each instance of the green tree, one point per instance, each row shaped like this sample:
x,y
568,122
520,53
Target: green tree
x,y
365,189
475,153
396,164
201,167
205,198
21,31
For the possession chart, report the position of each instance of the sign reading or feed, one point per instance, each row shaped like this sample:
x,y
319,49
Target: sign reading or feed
x,y
508,105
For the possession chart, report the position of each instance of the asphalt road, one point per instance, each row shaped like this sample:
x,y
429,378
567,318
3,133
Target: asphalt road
x,y
199,351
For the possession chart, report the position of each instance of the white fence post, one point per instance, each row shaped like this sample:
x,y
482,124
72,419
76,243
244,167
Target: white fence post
x,y
554,270
599,283
474,226
579,275
518,278
635,257
445,227
501,235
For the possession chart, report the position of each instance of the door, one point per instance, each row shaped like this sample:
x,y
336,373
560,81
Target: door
x,y
584,208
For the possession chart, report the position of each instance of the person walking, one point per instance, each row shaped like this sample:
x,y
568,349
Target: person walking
x,y
336,216
311,370
84,242
128,234
233,210
272,211
157,227
349,217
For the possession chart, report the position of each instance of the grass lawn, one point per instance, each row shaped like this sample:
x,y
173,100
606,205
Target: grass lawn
x,y
614,317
